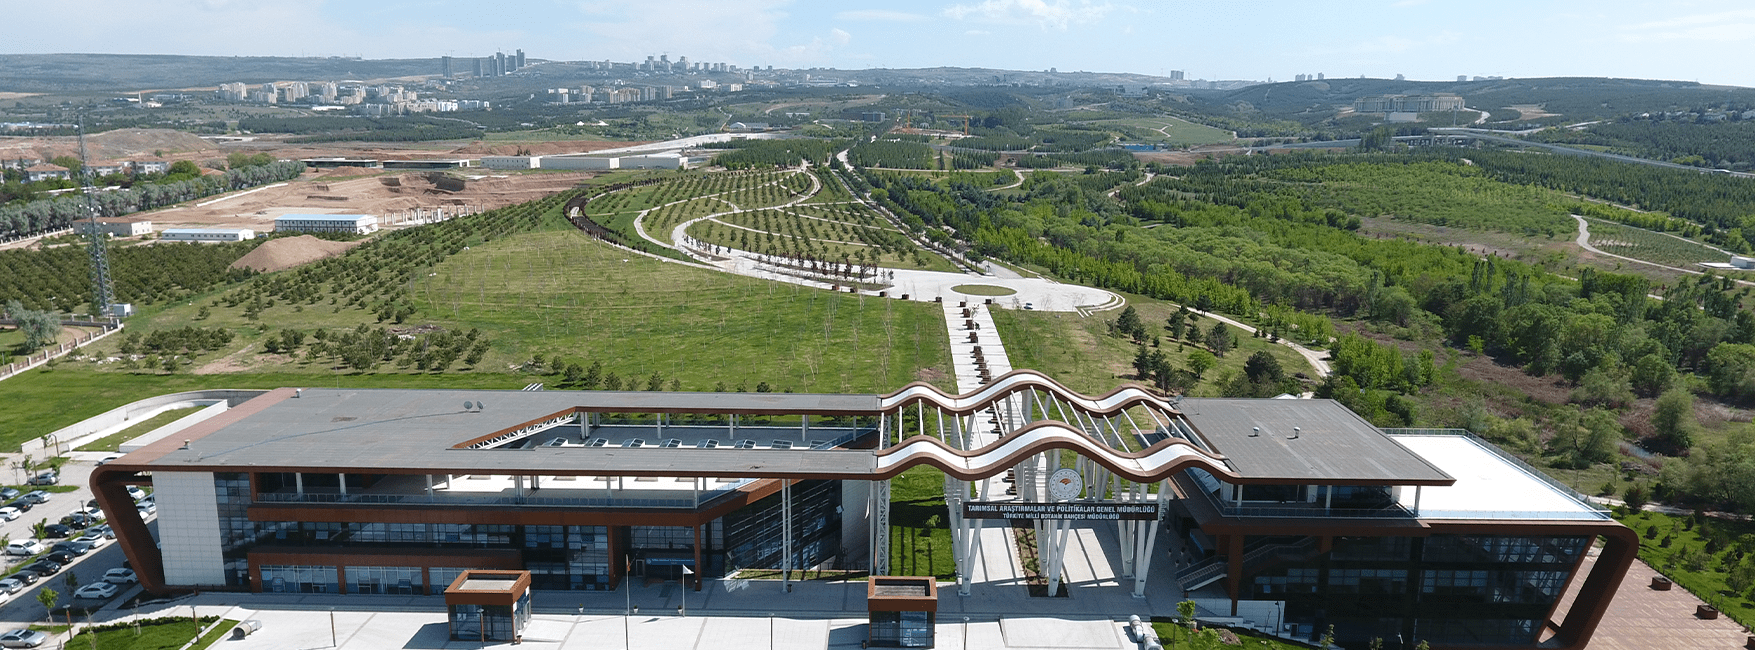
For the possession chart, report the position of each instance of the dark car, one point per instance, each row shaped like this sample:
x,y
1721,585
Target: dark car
x,y
62,558
70,547
23,505
57,530
80,520
43,568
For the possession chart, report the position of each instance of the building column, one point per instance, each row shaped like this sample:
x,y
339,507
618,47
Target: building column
x,y
700,569
343,484
786,534
299,482
880,528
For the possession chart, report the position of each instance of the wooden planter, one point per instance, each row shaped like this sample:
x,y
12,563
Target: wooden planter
x,y
1661,583
1706,612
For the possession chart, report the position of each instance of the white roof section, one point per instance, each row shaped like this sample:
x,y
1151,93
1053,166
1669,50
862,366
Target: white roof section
x,y
218,231
348,218
1488,484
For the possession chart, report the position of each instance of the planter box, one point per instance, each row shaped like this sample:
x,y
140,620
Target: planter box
x,y
1661,583
1706,612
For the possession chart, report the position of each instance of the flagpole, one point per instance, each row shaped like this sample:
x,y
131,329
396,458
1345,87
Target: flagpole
x,y
684,610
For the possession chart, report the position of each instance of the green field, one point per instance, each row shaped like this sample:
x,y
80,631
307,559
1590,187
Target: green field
x,y
1165,130
1080,352
920,526
563,293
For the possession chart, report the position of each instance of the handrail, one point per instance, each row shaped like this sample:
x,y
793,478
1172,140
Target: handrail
x,y
1153,464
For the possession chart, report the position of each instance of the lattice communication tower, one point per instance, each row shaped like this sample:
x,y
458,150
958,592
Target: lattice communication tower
x,y
99,248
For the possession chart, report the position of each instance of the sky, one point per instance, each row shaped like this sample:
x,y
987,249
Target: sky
x,y
1709,42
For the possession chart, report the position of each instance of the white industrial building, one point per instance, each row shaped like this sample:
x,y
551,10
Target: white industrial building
x,y
117,226
510,162
358,224
207,234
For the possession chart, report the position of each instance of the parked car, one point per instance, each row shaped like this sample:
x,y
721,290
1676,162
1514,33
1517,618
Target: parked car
x,y
23,638
121,577
45,478
104,530
8,494
71,547
57,530
97,591
136,493
107,459
36,496
62,558
17,582
9,514
80,520
92,538
146,508
43,568
22,504
25,547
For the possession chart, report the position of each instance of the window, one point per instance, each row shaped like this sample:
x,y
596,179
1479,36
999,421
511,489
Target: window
x,y
1453,582
1296,581
1368,581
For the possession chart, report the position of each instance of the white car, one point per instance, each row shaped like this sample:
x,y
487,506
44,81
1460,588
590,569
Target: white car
x,y
25,547
146,508
136,493
8,513
120,576
23,638
97,591
108,459
93,539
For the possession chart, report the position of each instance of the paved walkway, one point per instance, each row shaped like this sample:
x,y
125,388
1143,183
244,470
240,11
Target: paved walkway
x,y
1642,618
754,614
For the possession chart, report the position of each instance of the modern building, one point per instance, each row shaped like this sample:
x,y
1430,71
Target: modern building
x,y
359,224
511,162
43,172
451,163
331,163
1296,513
207,235
117,226
1408,103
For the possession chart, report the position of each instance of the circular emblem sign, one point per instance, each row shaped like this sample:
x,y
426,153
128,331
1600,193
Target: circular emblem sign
x,y
1065,484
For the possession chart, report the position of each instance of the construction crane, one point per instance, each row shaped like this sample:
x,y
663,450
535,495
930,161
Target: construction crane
x,y
99,249
966,119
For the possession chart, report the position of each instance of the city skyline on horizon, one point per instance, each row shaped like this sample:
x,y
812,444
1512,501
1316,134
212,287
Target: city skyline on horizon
x,y
1208,40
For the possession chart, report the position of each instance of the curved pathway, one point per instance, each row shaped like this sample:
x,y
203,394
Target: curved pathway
x,y
1583,241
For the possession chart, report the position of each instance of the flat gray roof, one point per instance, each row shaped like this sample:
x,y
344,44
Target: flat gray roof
x,y
402,431
1333,445
414,431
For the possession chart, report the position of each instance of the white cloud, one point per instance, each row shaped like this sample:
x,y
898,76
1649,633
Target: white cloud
x,y
1058,14
881,15
840,36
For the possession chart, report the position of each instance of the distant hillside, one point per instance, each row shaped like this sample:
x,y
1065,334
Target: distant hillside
x,y
1574,98
75,72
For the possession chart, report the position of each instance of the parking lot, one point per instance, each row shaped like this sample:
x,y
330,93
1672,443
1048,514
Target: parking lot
x,y
22,608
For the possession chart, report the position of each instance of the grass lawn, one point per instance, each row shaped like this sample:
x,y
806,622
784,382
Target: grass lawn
x,y
114,441
1686,557
1080,352
1176,637
982,290
159,634
920,526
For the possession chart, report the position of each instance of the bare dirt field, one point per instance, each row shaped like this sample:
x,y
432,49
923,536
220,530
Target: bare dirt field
x,y
389,197
114,145
287,252
1530,111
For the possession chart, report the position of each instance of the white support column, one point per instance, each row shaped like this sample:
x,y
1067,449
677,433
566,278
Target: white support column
x,y
429,487
299,482
883,430
343,478
803,428
731,429
1416,501
880,528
